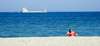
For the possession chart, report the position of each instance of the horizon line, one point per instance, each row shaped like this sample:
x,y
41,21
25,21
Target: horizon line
x,y
70,11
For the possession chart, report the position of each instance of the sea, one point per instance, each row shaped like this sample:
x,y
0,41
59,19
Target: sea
x,y
50,24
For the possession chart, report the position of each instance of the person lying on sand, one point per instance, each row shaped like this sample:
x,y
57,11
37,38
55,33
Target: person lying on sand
x,y
71,33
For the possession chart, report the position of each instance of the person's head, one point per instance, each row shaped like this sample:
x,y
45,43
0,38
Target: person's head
x,y
70,30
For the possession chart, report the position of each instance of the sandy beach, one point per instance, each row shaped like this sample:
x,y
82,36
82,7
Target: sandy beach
x,y
50,41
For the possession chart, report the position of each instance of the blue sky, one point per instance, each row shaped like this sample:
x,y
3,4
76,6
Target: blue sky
x,y
51,5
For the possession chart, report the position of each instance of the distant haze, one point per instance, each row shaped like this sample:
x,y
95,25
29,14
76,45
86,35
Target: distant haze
x,y
51,5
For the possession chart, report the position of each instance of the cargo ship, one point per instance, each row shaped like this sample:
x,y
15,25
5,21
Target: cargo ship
x,y
26,11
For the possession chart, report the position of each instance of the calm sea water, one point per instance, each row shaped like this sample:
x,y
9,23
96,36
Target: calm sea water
x,y
49,24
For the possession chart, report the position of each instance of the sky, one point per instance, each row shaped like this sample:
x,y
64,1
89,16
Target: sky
x,y
51,5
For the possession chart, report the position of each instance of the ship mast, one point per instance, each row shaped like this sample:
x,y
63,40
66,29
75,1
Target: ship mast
x,y
44,8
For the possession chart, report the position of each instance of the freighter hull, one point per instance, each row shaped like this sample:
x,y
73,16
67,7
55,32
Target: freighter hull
x,y
34,11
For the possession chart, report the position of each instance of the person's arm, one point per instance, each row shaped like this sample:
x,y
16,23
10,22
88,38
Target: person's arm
x,y
76,34
67,33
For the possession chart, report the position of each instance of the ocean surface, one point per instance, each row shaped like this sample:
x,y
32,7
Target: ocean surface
x,y
49,24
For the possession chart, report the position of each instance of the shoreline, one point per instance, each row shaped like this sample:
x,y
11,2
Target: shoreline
x,y
49,36
51,41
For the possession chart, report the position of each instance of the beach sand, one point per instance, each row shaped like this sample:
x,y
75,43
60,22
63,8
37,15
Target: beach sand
x,y
50,41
